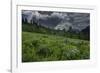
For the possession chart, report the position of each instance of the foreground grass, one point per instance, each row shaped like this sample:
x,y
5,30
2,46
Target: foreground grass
x,y
42,47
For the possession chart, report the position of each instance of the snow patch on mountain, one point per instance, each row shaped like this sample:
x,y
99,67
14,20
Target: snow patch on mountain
x,y
63,26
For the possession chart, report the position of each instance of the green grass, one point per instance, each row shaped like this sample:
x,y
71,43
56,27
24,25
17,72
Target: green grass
x,y
41,47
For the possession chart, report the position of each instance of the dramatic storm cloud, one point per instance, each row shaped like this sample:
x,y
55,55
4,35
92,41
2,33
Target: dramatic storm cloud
x,y
58,20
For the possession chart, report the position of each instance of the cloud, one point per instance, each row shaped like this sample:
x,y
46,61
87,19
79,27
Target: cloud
x,y
45,15
52,19
59,14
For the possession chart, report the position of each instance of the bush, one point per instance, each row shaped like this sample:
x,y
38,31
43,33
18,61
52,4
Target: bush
x,y
43,51
70,53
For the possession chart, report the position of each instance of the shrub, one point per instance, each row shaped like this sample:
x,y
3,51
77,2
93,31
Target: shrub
x,y
43,51
70,53
35,43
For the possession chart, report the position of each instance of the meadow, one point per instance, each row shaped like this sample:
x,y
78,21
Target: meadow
x,y
38,47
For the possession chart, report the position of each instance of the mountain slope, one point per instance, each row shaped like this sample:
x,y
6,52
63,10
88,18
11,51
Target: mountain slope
x,y
50,19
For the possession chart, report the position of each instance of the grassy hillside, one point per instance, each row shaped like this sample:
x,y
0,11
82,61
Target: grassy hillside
x,y
47,47
37,28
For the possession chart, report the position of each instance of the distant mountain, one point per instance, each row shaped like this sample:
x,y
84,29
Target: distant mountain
x,y
58,20
86,30
63,26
